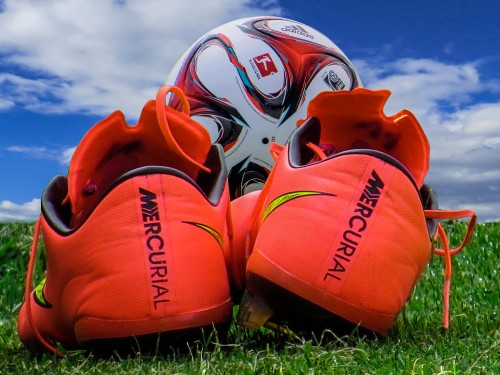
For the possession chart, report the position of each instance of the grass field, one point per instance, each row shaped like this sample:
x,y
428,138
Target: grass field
x,y
417,344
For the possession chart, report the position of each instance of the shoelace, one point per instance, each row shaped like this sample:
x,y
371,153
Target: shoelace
x,y
29,290
446,252
320,153
161,110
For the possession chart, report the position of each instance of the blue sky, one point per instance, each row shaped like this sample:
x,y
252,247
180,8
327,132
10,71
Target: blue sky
x,y
65,65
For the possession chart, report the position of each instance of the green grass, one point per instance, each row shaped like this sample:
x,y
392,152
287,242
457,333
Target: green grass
x,y
417,343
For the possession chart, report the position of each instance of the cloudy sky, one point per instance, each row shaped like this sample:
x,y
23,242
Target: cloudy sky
x,y
64,65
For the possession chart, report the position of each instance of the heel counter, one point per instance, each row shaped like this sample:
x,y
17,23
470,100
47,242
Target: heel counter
x,y
139,258
361,244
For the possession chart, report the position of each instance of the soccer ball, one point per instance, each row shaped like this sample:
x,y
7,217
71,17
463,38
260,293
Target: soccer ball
x,y
250,80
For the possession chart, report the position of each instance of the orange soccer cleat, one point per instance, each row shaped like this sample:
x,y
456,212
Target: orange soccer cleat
x,y
136,235
343,228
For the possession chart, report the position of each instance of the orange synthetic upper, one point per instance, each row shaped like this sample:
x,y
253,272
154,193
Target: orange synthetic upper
x,y
146,249
340,221
112,148
356,120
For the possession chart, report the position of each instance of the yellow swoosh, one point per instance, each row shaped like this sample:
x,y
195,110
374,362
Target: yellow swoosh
x,y
284,198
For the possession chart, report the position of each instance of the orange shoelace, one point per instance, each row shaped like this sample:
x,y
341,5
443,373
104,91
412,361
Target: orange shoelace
x,y
29,289
446,252
162,115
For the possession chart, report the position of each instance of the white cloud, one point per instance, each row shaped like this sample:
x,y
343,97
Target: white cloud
x,y
62,155
33,94
19,212
6,104
482,119
37,152
102,55
66,155
421,85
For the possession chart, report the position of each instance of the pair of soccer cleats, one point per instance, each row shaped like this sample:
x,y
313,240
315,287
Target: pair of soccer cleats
x,y
141,238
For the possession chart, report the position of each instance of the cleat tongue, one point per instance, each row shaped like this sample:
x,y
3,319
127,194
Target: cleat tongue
x,y
254,311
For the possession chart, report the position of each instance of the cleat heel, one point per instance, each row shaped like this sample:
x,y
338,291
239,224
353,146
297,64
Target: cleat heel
x,y
254,311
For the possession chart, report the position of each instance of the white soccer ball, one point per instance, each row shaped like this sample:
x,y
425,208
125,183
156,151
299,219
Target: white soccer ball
x,y
250,80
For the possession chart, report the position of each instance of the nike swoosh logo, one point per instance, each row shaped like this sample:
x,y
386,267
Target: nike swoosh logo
x,y
208,229
39,296
287,197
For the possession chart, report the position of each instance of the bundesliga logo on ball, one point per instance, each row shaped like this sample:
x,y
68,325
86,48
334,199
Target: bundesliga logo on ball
x,y
249,81
264,64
